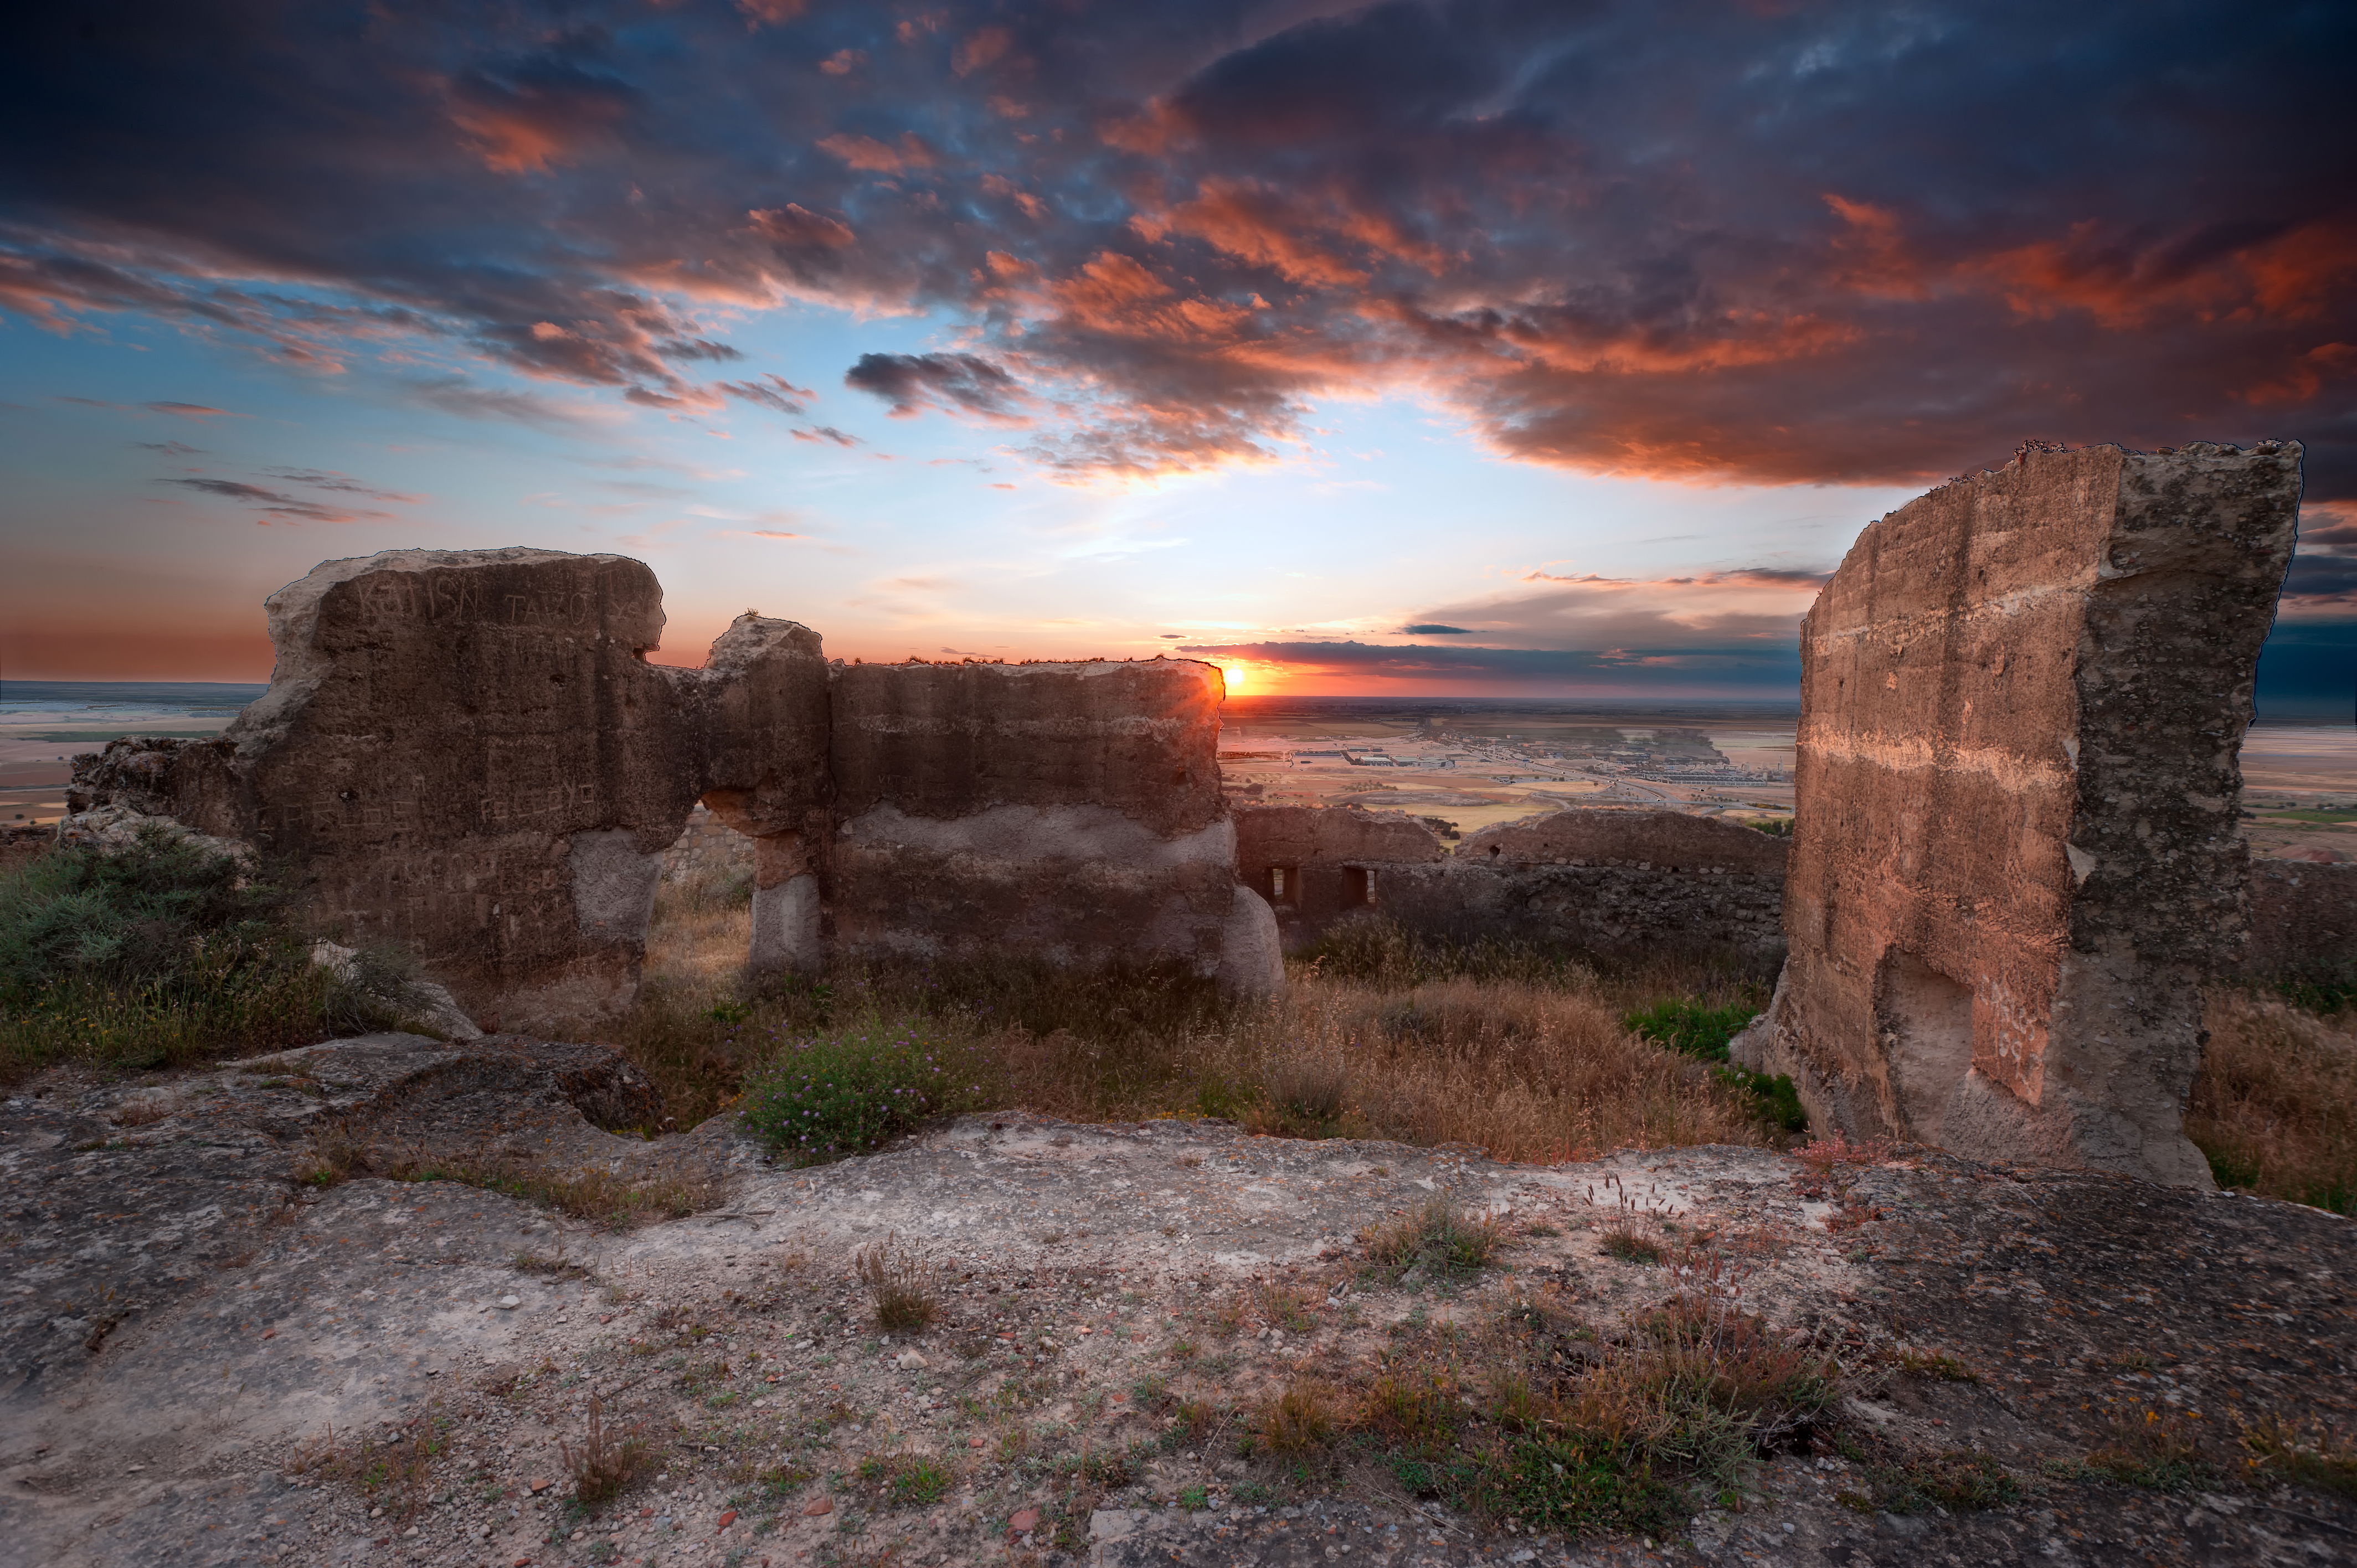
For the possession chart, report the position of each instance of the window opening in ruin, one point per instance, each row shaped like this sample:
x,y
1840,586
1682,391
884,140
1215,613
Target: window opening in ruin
x,y
1284,884
703,921
1359,885
1926,1023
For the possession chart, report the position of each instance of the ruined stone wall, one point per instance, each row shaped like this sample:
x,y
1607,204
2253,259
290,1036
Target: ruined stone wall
x,y
1066,811
2303,920
1607,883
466,753
1312,863
2015,860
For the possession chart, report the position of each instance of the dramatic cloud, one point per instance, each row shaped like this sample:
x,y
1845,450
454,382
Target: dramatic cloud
x,y
319,479
1840,242
955,383
274,503
771,392
1434,628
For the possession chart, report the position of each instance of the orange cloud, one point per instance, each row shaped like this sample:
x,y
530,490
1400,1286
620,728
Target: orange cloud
x,y
872,156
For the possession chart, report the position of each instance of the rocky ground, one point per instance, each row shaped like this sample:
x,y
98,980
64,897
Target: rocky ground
x,y
243,1324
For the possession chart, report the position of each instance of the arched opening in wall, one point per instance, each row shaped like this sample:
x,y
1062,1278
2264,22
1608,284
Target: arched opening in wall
x,y
1926,1023
702,922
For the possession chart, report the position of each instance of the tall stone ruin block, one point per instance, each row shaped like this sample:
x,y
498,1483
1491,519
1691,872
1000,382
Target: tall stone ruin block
x,y
1065,811
466,752
2016,863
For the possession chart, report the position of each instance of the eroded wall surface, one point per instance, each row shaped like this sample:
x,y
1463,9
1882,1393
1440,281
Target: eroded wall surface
x,y
1609,882
466,752
1067,811
2023,699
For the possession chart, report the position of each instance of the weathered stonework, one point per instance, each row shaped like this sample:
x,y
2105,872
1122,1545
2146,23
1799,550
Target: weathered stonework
x,y
1606,883
1066,811
466,753
1316,864
2023,701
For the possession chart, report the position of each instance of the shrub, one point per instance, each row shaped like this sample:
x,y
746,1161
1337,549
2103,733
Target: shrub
x,y
1690,1025
846,1092
162,953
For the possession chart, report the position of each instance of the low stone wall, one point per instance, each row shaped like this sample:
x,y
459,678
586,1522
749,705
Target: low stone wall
x,y
1610,882
2303,920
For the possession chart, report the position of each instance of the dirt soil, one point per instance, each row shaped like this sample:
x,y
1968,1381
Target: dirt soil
x,y
209,1363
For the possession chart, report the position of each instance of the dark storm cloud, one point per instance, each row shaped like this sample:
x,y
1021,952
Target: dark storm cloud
x,y
1848,241
954,383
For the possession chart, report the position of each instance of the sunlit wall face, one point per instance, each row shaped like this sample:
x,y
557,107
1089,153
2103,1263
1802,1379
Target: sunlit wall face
x,y
1434,348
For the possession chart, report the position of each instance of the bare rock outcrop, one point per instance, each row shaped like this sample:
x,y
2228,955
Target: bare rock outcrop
x,y
2023,701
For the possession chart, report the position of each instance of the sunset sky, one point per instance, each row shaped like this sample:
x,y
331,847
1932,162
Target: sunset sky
x,y
1532,350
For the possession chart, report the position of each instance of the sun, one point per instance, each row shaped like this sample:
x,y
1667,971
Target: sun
x,y
1238,676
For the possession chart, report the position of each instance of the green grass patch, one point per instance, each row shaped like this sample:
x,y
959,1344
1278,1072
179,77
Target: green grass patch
x,y
1439,1237
907,1480
848,1091
1959,1481
1690,1025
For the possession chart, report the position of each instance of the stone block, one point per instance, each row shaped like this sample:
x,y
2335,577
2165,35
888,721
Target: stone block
x,y
466,753
1068,813
2016,863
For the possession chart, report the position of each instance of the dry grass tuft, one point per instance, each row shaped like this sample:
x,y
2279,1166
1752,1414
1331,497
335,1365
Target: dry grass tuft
x,y
1437,1238
1299,1421
2275,1105
607,1461
146,1109
394,1471
904,1286
1631,1245
2149,1446
2316,1455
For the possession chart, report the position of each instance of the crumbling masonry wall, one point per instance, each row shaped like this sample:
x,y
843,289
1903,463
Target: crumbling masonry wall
x,y
1606,883
2023,698
466,753
1067,810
